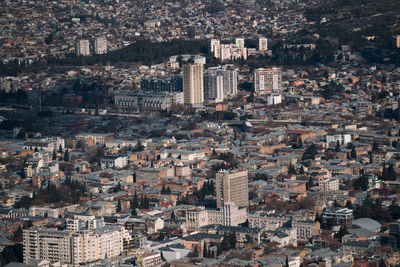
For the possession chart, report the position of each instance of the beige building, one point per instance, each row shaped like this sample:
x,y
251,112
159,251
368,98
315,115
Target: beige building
x,y
306,229
232,186
74,247
193,86
329,185
229,215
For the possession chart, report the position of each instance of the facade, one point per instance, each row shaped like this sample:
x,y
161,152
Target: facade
x,y
267,222
82,48
342,216
114,161
328,185
274,99
232,186
74,247
213,44
306,229
343,139
230,79
262,44
125,100
100,46
228,215
229,52
267,81
149,259
239,42
171,83
193,87
214,88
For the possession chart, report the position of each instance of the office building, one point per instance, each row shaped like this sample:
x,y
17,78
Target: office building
x,y
232,186
129,100
213,88
262,44
193,87
82,47
267,81
100,46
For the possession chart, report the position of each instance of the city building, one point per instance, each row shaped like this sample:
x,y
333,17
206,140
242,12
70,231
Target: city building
x,y
114,161
343,139
100,46
214,44
274,99
213,88
170,83
232,186
149,259
306,229
262,44
72,247
338,216
128,101
228,215
267,81
239,42
230,79
193,87
328,185
82,47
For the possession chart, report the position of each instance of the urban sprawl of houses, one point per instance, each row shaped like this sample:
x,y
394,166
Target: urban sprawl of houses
x,y
200,160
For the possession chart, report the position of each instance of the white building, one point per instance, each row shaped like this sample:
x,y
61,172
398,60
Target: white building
x,y
230,79
100,45
213,44
267,222
82,47
228,215
343,139
239,42
328,185
114,161
274,99
262,44
214,88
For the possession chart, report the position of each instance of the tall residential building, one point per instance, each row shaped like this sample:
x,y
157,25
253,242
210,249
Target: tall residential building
x,y
262,44
214,88
100,45
213,44
90,243
230,79
82,47
267,81
193,87
239,42
232,186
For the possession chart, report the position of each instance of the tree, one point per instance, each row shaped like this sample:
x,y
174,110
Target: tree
x,y
66,155
353,153
163,191
173,215
36,149
205,250
168,191
139,146
342,232
349,205
287,261
337,147
60,150
375,146
301,171
310,153
250,98
361,183
310,182
232,240
119,208
292,169
54,157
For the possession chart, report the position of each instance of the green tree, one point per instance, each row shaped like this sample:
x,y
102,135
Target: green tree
x,y
250,98
168,191
337,147
60,150
173,215
349,205
66,155
375,146
353,153
139,146
292,169
119,208
54,157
